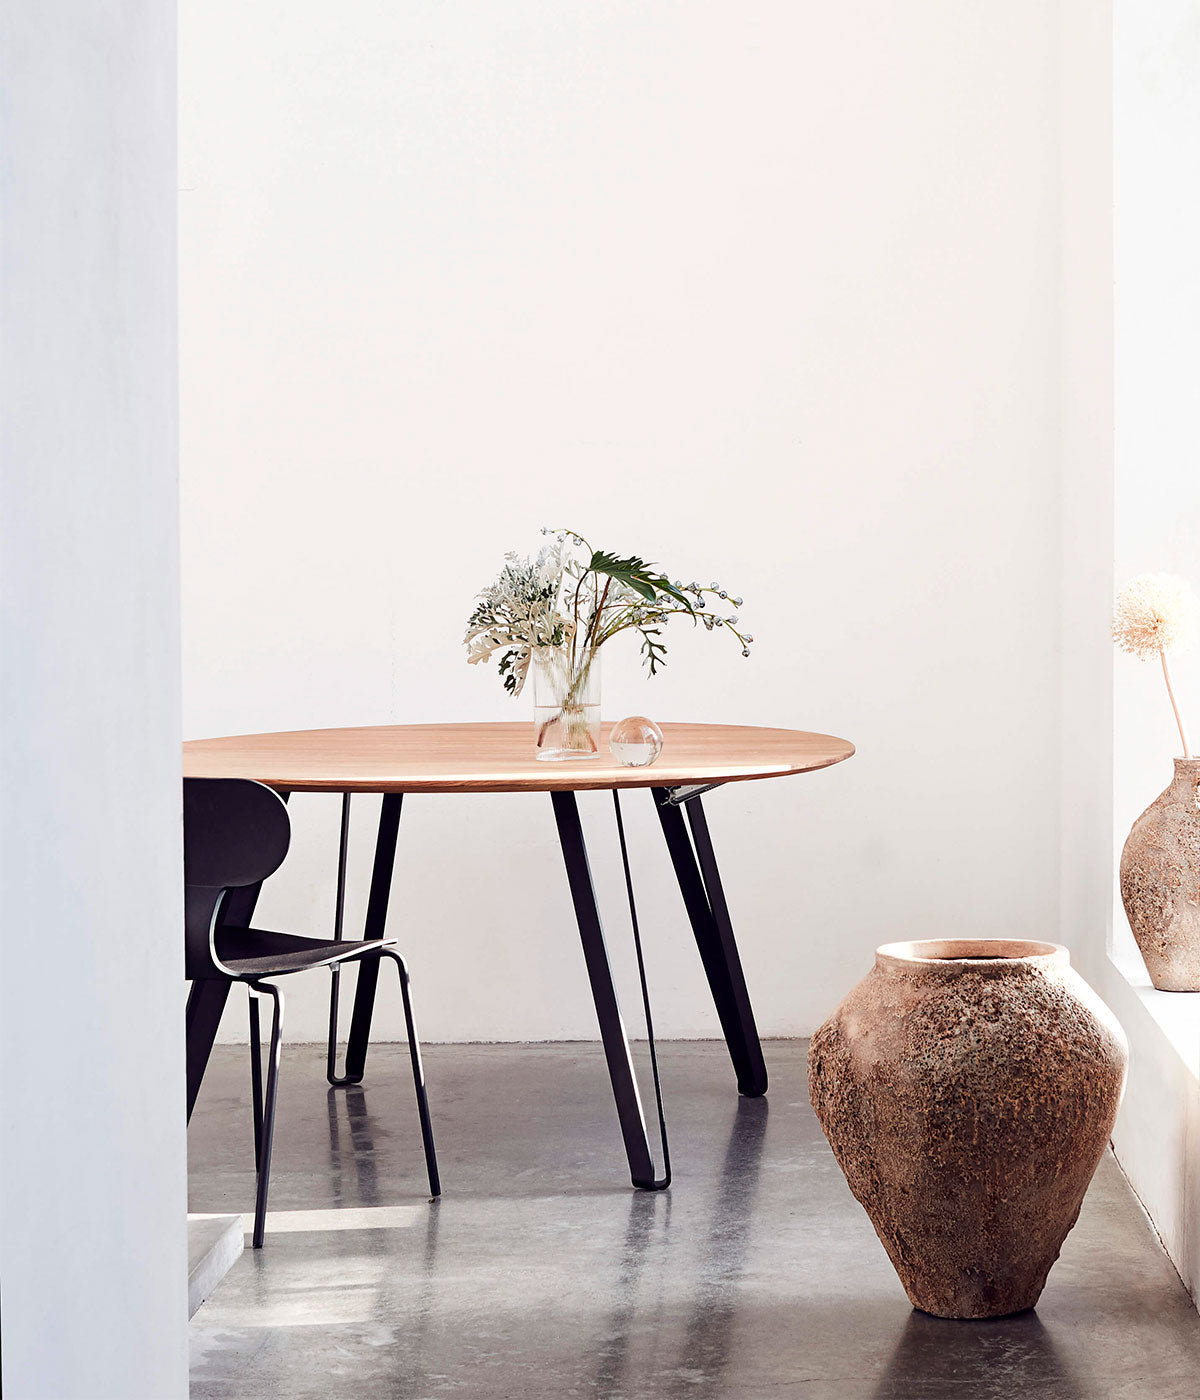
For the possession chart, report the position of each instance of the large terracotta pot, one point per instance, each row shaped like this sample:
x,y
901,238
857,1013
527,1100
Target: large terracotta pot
x,y
1160,882
968,1089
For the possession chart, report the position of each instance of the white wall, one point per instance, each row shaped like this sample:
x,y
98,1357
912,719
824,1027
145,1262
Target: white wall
x,y
1157,159
1086,423
92,1153
1157,512
1129,505
767,294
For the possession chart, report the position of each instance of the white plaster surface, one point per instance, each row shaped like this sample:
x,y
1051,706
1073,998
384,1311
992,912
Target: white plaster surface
x,y
92,1152
769,295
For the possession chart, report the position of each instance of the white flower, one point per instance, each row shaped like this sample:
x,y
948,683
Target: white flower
x,y
1155,613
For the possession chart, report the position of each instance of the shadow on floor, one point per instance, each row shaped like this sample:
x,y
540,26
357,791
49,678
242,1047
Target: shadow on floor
x,y
1012,1356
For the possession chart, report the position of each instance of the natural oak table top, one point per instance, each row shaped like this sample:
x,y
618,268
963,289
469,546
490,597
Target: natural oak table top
x,y
499,758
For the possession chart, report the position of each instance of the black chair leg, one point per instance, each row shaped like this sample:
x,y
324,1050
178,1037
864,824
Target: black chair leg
x,y
268,1126
414,1051
256,1077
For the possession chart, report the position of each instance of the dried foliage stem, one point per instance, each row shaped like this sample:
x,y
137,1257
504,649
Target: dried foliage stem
x,y
1183,738
591,639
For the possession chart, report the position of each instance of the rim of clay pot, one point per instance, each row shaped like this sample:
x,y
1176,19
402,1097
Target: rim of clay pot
x,y
964,954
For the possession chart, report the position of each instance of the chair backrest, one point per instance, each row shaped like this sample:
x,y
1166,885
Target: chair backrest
x,y
235,832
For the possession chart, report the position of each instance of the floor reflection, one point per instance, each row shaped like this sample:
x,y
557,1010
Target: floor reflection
x,y
359,1154
704,1348
997,1356
355,1178
649,1220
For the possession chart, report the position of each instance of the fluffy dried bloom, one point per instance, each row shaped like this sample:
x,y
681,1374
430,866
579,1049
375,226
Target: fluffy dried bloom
x,y
1153,613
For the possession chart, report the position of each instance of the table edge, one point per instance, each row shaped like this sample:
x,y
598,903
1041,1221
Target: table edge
x,y
553,782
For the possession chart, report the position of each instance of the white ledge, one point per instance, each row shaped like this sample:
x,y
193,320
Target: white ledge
x,y
1177,1014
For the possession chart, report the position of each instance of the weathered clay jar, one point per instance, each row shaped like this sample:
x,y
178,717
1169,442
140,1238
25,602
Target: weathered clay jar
x,y
1160,882
968,1089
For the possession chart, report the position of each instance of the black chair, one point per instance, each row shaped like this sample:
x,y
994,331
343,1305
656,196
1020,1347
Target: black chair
x,y
236,833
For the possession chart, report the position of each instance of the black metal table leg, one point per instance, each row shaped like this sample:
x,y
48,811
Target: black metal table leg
x,y
662,1182
377,907
604,993
704,897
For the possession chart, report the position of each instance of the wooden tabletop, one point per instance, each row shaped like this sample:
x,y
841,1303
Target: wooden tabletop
x,y
499,758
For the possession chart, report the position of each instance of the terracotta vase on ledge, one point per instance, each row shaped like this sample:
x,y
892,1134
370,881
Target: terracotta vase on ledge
x,y
1160,882
968,1089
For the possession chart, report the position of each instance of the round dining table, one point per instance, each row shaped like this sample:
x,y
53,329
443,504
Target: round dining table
x,y
395,760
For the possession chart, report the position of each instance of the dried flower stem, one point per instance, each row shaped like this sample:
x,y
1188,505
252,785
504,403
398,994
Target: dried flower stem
x,y
1187,753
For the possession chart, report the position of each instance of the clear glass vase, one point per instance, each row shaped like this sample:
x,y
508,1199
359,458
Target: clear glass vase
x,y
566,704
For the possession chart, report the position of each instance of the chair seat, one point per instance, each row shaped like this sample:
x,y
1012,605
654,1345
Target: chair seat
x,y
256,952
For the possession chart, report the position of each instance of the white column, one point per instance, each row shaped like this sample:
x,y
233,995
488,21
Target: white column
x,y
92,1153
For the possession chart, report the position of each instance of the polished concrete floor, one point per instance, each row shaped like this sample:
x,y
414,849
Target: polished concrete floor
x,y
541,1274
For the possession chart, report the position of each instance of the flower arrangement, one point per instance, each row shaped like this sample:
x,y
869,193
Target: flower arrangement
x,y
1156,614
565,604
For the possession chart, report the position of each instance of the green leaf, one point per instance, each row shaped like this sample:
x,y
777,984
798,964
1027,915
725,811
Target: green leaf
x,y
637,575
655,652
507,662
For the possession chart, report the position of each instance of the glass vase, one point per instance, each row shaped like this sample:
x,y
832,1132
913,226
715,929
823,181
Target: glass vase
x,y
566,704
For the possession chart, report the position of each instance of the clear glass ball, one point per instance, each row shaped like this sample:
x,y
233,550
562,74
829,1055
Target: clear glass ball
x,y
635,741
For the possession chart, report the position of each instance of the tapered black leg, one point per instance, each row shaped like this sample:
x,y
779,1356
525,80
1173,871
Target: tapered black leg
x,y
256,1098
205,1003
704,897
664,1180
604,993
377,907
268,1124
